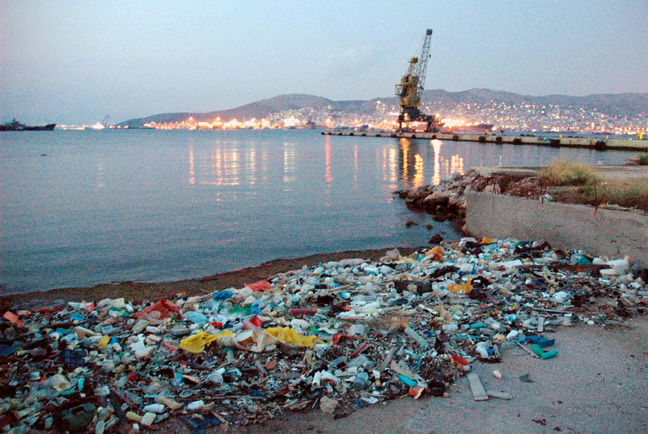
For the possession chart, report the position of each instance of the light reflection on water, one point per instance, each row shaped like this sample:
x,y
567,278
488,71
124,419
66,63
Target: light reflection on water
x,y
166,205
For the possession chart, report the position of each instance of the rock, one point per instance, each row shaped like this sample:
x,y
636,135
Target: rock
x,y
328,405
440,215
402,193
492,188
418,193
393,254
436,239
429,226
410,223
436,199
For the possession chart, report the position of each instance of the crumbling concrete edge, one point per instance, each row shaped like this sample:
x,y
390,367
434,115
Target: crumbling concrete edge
x,y
602,232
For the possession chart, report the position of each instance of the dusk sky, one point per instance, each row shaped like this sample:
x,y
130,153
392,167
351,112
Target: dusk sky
x,y
76,61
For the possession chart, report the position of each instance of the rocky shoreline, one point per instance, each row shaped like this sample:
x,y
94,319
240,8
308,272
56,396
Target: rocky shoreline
x,y
446,201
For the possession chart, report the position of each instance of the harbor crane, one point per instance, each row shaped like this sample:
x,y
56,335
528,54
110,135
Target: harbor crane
x,y
410,90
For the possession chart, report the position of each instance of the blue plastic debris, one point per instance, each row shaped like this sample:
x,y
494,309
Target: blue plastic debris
x,y
222,295
77,317
7,350
199,424
542,342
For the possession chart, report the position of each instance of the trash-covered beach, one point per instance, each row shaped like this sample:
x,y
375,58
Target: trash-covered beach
x,y
336,338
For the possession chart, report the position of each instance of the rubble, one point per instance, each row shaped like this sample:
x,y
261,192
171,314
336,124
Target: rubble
x,y
338,336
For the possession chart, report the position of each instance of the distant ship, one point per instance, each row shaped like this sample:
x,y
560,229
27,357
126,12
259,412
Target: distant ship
x,y
17,126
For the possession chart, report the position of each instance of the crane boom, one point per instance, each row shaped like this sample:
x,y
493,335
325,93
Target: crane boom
x,y
410,89
423,60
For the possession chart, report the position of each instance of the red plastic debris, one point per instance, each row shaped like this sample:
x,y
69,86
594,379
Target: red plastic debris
x,y
162,306
339,336
300,313
357,352
459,361
261,285
258,322
13,318
47,311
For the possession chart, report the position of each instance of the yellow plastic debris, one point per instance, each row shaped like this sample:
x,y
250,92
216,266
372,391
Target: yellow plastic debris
x,y
290,336
436,250
487,240
466,287
104,341
196,344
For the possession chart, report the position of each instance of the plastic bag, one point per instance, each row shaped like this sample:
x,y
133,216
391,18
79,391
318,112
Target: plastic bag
x,y
196,344
290,336
162,306
261,285
466,287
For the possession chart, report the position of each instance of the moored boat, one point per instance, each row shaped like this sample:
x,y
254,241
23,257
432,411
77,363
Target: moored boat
x,y
17,126
48,127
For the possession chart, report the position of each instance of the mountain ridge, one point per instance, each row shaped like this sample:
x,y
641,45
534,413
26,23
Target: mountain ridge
x,y
622,104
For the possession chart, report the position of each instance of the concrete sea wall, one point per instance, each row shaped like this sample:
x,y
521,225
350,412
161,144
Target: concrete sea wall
x,y
570,142
602,232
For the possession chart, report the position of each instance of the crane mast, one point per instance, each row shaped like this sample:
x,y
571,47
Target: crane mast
x,y
410,90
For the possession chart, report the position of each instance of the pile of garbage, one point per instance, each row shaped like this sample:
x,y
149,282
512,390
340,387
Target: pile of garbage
x,y
336,337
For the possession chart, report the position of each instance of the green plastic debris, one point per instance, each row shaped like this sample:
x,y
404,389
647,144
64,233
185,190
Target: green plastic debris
x,y
538,351
407,380
549,354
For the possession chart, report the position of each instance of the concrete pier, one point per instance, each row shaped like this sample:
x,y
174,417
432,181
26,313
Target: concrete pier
x,y
573,142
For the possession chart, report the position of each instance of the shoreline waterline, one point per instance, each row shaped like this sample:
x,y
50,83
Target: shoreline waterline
x,y
138,291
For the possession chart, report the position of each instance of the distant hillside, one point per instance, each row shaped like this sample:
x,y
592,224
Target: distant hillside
x,y
256,110
624,104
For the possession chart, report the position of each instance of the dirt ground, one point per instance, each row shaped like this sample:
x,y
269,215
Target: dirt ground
x,y
618,186
608,173
597,384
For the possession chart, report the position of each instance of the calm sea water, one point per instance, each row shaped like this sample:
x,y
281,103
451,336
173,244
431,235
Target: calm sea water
x,y
148,205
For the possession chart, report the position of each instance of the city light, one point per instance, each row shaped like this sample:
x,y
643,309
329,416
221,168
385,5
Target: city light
x,y
492,115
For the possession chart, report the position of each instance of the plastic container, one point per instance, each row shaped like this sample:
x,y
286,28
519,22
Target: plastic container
x,y
361,381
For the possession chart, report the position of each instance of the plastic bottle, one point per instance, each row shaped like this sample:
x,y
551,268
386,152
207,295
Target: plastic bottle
x,y
482,349
361,381
621,266
154,408
140,326
418,338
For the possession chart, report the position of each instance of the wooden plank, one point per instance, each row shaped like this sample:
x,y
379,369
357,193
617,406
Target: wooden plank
x,y
478,391
499,395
